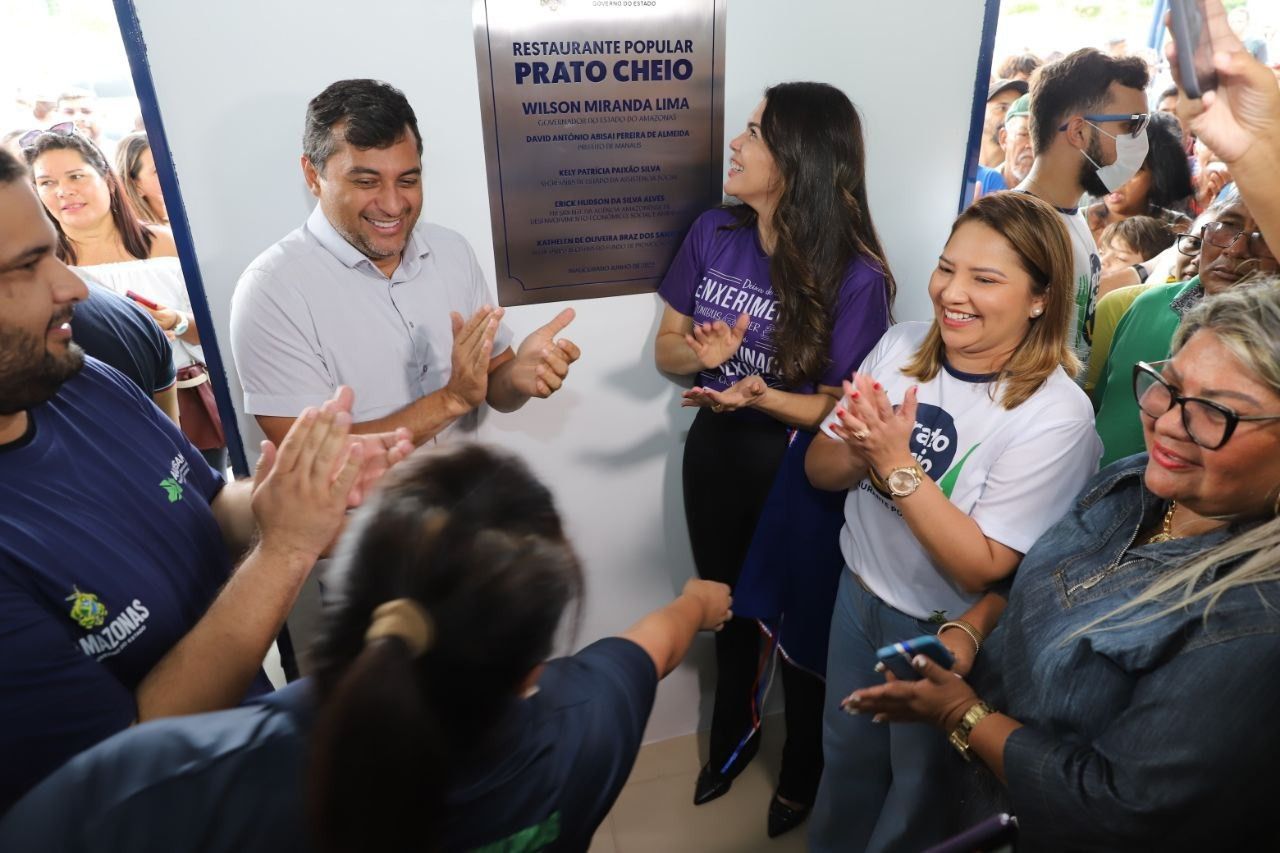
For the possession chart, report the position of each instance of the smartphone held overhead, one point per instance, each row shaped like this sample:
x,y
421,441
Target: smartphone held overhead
x,y
1189,24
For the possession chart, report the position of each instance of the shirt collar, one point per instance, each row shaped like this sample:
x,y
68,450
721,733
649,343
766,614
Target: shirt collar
x,y
326,235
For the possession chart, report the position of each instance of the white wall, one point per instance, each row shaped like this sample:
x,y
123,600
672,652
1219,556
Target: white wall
x,y
233,79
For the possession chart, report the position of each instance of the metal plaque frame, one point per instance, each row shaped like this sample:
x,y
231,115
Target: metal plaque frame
x,y
604,138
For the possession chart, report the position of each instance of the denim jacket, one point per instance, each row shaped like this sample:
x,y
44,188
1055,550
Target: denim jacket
x,y
1156,736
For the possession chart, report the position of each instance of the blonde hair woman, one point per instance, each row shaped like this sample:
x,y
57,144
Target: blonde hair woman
x,y
960,441
1131,682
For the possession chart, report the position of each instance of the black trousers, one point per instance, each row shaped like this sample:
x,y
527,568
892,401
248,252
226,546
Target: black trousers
x,y
730,461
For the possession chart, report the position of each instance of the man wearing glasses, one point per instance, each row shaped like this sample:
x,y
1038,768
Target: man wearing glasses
x,y
1089,135
1231,250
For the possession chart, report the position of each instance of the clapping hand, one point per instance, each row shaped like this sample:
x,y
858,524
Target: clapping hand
x,y
302,490
744,393
870,426
542,361
472,349
715,343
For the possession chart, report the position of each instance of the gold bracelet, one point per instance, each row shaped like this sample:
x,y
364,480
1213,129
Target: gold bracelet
x,y
959,737
968,629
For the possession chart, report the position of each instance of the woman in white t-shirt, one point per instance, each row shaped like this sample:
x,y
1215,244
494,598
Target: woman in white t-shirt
x,y
960,441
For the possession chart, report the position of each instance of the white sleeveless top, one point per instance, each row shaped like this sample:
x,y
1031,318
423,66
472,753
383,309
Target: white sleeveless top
x,y
161,281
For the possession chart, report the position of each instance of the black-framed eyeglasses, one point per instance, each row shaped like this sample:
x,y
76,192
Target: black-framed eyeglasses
x,y
1207,423
63,128
1224,236
1137,121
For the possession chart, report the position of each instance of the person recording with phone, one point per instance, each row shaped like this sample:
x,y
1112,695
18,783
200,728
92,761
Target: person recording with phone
x,y
960,441
1237,115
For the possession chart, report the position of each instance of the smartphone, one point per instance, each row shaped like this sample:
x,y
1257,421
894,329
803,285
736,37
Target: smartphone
x,y
142,300
1190,27
996,833
897,657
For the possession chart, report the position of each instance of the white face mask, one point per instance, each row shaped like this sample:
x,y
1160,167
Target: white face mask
x,y
1131,153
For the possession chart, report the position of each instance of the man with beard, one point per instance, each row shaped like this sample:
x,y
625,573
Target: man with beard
x,y
366,295
117,600
1088,133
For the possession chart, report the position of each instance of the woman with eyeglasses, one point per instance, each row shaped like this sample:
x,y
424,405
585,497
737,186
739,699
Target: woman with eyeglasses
x,y
99,231
1127,699
1230,250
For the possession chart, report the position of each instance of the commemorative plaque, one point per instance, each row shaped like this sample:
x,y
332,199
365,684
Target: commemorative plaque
x,y
603,124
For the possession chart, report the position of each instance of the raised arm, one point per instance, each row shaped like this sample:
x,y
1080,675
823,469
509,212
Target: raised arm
x,y
667,633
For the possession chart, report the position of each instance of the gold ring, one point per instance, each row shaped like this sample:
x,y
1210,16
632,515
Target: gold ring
x,y
717,408
861,435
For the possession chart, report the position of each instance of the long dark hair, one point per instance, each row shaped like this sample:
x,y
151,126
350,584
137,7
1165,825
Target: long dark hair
x,y
469,535
1167,162
822,221
128,167
135,236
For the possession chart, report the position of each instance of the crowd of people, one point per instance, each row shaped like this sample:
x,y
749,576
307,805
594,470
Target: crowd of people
x,y
1068,479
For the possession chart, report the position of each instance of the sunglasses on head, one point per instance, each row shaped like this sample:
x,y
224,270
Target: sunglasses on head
x,y
63,128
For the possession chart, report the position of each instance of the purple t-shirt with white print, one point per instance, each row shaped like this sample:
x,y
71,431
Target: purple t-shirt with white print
x,y
721,272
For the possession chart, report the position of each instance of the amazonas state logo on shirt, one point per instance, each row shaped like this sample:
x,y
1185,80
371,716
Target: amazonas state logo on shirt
x,y
106,639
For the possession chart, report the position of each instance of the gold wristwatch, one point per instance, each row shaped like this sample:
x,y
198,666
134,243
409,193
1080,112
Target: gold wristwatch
x,y
960,735
903,482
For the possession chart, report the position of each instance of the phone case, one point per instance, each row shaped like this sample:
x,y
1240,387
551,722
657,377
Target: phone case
x,y
897,657
1195,55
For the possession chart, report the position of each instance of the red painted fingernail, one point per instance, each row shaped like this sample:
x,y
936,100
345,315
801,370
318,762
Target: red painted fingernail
x,y
854,396
840,412
876,386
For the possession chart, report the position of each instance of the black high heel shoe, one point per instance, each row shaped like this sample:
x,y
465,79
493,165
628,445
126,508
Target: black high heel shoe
x,y
711,785
783,818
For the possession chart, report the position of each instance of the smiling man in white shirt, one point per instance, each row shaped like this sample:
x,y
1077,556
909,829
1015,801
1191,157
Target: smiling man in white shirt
x,y
366,295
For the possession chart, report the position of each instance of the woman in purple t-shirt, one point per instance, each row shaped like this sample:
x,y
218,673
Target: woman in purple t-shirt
x,y
771,302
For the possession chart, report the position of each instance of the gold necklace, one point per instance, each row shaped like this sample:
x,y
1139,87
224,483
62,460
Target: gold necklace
x,y
1166,533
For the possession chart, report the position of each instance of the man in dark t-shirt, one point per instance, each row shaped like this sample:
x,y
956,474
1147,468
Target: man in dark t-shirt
x,y
116,538
116,332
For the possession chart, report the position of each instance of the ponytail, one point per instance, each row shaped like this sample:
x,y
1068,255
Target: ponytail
x,y
453,579
379,763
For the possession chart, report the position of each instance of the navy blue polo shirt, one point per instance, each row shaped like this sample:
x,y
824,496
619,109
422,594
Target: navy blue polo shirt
x,y
109,554
234,781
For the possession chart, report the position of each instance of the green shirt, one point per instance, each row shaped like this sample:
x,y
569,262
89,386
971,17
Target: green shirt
x,y
1144,333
